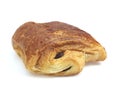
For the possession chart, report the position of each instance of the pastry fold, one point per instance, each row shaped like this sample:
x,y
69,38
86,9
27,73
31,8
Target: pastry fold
x,y
56,48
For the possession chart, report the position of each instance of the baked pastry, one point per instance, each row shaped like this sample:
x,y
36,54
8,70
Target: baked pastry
x,y
55,48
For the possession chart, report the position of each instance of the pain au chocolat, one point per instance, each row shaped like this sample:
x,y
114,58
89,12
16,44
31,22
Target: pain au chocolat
x,y
56,48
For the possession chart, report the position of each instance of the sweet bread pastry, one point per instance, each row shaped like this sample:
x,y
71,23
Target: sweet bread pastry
x,y
56,48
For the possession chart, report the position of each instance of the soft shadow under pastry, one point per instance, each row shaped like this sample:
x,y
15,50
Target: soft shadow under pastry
x,y
55,48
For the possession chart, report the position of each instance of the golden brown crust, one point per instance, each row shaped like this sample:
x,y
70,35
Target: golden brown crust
x,y
38,43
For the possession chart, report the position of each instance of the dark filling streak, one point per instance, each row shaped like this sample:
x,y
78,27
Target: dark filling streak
x,y
59,54
67,69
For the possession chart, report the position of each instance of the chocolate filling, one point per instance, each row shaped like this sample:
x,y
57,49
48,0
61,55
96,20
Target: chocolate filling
x,y
59,54
66,69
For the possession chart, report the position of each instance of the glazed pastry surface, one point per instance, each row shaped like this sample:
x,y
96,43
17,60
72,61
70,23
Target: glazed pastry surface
x,y
56,48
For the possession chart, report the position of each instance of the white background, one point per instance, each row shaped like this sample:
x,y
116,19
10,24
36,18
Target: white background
x,y
101,18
